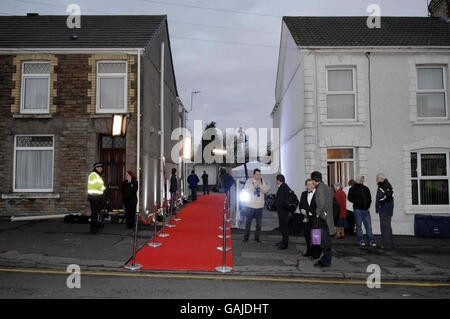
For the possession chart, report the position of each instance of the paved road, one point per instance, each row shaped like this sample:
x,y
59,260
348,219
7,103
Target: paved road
x,y
48,285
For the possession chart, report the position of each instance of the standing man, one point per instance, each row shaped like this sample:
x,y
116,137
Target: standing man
x,y
173,191
307,207
282,210
227,184
255,188
360,196
385,209
205,183
324,215
349,206
96,188
193,184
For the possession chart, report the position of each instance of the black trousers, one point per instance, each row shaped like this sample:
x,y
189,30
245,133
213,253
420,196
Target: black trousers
x,y
283,219
205,189
130,213
194,193
351,223
96,206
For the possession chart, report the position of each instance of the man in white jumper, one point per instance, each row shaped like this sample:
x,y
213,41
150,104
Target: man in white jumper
x,y
255,188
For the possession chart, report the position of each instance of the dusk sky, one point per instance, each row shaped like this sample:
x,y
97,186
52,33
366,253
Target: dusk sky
x,y
228,50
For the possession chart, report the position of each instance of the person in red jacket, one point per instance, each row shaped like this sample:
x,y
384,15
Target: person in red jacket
x,y
341,198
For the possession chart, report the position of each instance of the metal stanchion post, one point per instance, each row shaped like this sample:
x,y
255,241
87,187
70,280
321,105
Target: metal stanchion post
x,y
163,234
224,249
176,219
134,266
154,243
170,218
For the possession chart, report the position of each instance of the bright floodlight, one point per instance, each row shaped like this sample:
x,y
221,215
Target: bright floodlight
x,y
187,148
244,196
117,125
219,152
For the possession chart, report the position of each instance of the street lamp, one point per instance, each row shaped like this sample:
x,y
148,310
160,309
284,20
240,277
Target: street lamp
x,y
192,99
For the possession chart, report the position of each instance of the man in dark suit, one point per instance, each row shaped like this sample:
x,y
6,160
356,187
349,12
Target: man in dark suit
x,y
324,214
282,210
307,208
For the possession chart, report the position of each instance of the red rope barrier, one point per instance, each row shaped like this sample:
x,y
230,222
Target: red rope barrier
x,y
150,218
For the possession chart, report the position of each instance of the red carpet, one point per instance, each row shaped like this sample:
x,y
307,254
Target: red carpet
x,y
192,244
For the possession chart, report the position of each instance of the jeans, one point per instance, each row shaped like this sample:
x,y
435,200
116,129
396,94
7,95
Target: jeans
x,y
363,216
386,229
173,207
253,213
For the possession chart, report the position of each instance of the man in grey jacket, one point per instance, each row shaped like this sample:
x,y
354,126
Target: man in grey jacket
x,y
324,214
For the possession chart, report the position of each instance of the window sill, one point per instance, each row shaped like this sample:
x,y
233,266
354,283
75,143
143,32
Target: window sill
x,y
30,196
32,116
107,115
428,209
431,122
349,123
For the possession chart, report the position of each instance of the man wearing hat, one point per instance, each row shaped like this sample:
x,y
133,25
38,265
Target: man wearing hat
x,y
96,188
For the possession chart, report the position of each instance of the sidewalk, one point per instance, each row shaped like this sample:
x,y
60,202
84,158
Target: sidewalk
x,y
54,244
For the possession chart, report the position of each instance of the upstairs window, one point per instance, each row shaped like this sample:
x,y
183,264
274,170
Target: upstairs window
x,y
111,86
431,95
341,94
35,87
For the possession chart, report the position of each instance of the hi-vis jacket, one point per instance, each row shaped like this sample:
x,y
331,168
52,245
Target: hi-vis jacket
x,y
95,184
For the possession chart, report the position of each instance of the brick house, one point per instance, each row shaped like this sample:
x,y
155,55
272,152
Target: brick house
x,y
59,90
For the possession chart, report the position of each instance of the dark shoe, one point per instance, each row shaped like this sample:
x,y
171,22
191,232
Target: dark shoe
x,y
283,246
306,255
321,265
278,244
258,240
244,240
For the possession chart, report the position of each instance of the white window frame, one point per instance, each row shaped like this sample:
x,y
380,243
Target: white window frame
x,y
33,149
113,75
443,90
354,91
352,160
419,177
22,91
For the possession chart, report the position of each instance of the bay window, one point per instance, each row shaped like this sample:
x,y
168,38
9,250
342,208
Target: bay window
x,y
430,178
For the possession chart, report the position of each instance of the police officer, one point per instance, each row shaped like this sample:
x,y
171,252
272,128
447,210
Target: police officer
x,y
96,188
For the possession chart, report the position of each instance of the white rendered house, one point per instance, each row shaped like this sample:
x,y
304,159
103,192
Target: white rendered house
x,y
351,99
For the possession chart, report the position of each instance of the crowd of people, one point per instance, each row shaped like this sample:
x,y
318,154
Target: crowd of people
x,y
324,212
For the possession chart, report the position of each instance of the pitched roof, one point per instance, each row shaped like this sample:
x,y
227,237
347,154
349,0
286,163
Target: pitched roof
x,y
50,31
353,31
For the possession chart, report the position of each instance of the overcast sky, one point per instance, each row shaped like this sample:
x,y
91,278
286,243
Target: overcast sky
x,y
236,78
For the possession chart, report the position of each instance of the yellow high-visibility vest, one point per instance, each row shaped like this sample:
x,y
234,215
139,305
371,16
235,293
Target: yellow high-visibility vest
x,y
95,184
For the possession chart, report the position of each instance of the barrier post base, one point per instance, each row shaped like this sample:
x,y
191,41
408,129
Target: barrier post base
x,y
163,235
133,267
224,269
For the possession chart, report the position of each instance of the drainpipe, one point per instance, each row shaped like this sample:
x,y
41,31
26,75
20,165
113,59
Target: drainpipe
x,y
161,170
138,142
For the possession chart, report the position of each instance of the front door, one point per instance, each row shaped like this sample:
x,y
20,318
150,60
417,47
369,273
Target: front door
x,y
113,155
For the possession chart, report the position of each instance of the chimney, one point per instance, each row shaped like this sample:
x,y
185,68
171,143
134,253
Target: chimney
x,y
439,8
